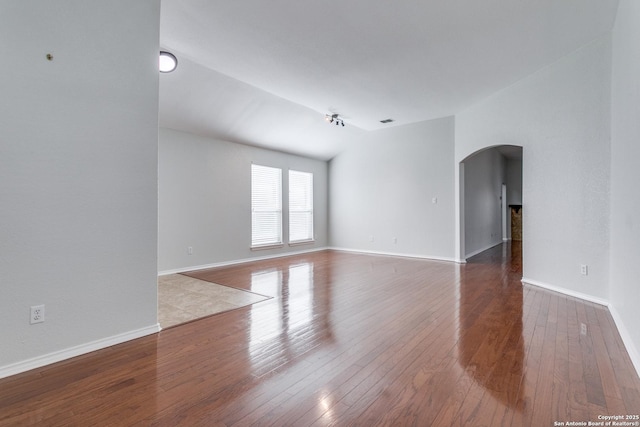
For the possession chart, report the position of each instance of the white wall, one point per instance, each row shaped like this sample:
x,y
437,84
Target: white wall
x,y
514,188
78,180
383,189
514,182
561,117
205,200
484,174
625,175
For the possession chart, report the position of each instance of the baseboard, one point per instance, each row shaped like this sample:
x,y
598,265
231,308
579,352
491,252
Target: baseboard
x,y
396,254
629,345
634,355
237,261
68,353
474,253
579,295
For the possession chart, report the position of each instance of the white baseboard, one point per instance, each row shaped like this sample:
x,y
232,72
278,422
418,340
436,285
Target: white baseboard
x,y
280,255
397,254
565,291
629,345
68,353
237,261
474,253
632,350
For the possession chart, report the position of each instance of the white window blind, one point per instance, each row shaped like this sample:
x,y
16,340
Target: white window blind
x,y
300,206
266,206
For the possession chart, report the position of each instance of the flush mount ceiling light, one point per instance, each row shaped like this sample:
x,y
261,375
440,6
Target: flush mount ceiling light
x,y
168,62
334,118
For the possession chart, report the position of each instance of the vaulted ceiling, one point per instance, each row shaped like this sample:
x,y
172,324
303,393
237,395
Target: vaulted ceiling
x,y
265,73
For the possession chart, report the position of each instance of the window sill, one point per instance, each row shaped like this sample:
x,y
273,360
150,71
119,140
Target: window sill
x,y
267,246
302,242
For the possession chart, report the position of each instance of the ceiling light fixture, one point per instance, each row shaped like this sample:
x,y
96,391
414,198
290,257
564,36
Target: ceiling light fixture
x,y
167,62
334,118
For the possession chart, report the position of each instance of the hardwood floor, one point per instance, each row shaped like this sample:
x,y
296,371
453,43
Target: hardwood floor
x,y
352,339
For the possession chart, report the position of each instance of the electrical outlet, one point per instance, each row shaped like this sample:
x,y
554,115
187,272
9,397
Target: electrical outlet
x,y
37,314
584,269
583,329
190,250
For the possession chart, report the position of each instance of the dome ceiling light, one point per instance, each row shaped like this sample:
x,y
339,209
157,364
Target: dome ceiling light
x,y
167,62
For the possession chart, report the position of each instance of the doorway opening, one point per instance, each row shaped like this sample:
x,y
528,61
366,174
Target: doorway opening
x,y
490,199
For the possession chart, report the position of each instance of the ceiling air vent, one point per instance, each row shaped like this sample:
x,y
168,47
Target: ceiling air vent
x,y
386,121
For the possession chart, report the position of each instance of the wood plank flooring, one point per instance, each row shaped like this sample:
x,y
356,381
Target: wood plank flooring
x,y
352,339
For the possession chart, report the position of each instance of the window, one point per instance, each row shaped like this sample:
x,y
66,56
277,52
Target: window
x,y
300,206
266,206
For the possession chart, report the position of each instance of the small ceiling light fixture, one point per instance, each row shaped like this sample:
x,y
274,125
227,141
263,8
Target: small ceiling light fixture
x,y
334,118
167,62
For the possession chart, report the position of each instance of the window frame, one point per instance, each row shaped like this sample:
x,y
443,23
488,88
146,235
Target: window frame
x,y
308,209
276,207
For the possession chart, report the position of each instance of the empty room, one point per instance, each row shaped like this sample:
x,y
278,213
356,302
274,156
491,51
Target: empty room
x,y
320,213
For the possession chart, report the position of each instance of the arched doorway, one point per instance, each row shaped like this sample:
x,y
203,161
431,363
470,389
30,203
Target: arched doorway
x,y
490,191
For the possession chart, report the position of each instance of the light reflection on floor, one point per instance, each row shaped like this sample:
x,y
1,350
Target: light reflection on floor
x,y
293,289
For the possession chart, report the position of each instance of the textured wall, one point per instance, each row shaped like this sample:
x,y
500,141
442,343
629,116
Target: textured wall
x,y
205,200
382,191
561,117
625,174
78,176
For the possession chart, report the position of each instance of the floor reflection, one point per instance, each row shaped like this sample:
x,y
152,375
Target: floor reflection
x,y
299,320
351,339
491,343
444,328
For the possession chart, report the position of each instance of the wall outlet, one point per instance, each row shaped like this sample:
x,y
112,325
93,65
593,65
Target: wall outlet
x,y
37,314
434,200
395,240
584,269
190,250
583,329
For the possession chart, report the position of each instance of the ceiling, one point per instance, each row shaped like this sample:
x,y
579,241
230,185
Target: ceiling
x,y
265,73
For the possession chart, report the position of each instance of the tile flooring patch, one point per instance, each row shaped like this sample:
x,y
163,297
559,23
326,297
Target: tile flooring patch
x,y
182,299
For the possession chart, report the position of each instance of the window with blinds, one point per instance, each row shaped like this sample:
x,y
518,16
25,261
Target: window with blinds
x,y
300,206
266,206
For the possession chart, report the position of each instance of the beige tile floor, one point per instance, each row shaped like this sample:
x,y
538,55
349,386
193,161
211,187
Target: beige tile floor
x,y
182,299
